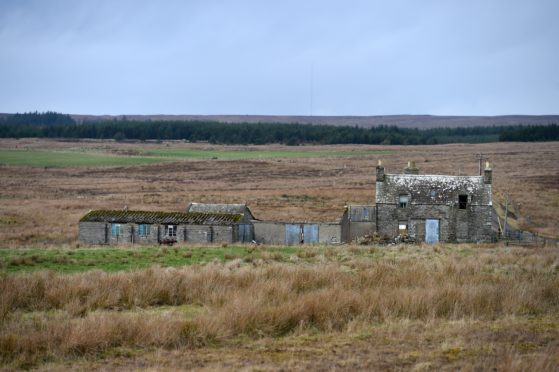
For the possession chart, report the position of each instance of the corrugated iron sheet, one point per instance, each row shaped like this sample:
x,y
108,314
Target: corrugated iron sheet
x,y
292,234
175,218
310,233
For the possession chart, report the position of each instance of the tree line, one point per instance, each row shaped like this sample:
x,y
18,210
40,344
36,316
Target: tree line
x,y
531,133
55,125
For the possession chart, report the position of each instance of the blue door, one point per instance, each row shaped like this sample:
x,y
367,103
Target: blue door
x,y
292,234
310,234
431,231
245,233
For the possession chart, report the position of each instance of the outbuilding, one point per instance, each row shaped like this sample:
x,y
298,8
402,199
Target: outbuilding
x,y
113,227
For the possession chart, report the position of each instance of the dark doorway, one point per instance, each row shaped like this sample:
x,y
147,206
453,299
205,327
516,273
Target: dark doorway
x,y
462,201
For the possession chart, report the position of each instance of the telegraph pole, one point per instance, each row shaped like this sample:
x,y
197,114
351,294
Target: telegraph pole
x,y
506,214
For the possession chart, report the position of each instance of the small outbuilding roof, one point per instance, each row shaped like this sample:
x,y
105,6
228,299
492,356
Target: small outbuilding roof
x,y
191,218
360,213
220,208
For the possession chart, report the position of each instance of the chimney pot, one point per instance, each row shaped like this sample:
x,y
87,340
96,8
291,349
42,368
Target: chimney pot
x,y
411,168
380,171
488,174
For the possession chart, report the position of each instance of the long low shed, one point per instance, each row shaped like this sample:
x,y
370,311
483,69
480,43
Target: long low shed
x,y
294,233
114,227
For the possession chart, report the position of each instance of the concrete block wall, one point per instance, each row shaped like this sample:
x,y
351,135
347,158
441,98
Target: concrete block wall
x,y
267,232
198,234
124,237
93,232
329,233
270,232
223,234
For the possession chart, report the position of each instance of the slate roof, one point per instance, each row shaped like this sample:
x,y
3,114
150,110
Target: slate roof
x,y
433,189
219,208
175,218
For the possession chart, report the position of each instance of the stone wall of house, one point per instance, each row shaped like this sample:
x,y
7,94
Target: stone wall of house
x,y
442,190
472,224
435,197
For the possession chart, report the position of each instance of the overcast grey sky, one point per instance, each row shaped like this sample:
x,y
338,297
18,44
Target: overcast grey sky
x,y
445,57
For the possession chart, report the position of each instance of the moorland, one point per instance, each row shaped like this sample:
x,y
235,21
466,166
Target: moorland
x,y
68,306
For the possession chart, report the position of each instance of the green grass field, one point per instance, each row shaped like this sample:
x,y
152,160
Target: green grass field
x,y
45,158
110,259
48,158
255,154
119,259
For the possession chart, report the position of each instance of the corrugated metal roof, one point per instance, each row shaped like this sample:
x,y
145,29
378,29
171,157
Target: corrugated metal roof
x,y
190,218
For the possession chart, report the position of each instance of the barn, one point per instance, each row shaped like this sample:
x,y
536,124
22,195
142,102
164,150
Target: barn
x,y
115,227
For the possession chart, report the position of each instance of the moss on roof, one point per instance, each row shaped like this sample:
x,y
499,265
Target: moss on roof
x,y
193,218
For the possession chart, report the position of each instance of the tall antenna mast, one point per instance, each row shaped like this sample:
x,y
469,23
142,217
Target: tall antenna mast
x,y
312,89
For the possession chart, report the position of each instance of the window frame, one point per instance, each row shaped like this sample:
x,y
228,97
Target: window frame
x,y
144,230
116,230
403,204
171,231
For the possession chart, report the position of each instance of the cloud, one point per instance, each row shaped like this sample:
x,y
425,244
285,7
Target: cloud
x,y
259,57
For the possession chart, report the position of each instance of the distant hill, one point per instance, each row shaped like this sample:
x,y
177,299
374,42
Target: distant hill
x,y
403,121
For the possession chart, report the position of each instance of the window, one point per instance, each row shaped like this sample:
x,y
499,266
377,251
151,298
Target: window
x,y
433,193
403,228
462,201
404,199
171,230
115,229
143,230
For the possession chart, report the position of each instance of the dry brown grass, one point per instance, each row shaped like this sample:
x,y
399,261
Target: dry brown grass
x,y
43,205
47,316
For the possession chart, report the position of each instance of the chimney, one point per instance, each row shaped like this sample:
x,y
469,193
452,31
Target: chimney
x,y
411,168
487,173
380,171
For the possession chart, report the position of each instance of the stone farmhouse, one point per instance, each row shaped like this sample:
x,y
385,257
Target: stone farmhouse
x,y
422,208
434,208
